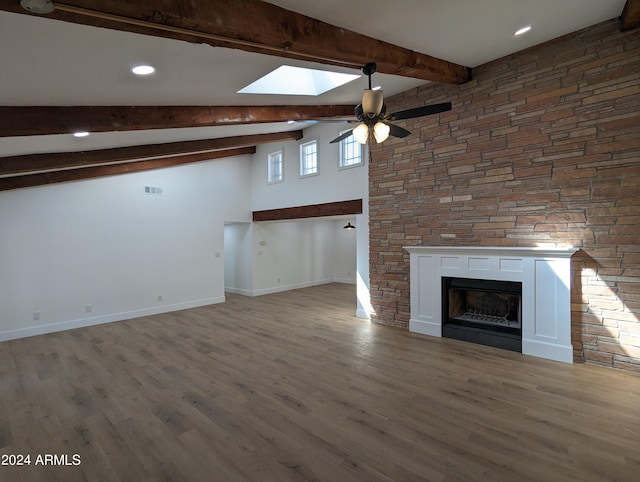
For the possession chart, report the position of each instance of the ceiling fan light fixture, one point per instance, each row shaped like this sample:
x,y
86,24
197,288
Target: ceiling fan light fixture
x,y
373,117
372,101
361,133
381,132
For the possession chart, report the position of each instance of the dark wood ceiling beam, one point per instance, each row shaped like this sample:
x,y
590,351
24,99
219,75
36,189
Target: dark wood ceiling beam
x,y
254,26
44,178
64,160
630,15
45,120
340,208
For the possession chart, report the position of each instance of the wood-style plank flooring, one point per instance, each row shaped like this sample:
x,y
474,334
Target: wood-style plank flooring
x,y
291,387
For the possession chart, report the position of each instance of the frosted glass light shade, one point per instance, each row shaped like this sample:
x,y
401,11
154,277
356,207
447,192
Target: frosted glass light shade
x,y
361,133
381,132
372,101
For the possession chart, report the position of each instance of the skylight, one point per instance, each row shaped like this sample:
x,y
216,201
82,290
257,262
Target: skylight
x,y
287,80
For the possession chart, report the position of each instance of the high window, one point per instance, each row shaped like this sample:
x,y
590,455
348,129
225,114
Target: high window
x,y
275,167
309,158
350,152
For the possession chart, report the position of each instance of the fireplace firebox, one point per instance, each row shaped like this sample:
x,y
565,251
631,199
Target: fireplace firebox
x,y
483,311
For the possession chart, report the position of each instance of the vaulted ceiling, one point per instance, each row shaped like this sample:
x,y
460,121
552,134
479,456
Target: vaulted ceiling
x,y
69,70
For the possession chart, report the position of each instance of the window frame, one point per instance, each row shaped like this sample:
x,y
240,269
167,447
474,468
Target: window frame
x,y
342,148
270,164
302,158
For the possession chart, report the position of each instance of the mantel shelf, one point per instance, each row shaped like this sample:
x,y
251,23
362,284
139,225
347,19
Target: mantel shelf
x,y
535,251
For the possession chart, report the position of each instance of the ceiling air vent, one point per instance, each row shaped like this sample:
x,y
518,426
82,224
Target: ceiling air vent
x,y
153,190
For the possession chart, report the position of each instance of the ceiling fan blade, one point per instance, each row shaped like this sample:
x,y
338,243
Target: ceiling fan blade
x,y
397,131
421,111
342,137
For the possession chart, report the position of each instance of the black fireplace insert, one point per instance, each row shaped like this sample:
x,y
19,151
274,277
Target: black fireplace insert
x,y
481,311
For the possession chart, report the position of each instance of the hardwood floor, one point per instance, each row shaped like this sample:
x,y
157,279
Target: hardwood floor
x,y
292,386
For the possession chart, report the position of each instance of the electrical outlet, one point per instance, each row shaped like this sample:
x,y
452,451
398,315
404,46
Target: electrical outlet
x,y
88,309
36,315
159,297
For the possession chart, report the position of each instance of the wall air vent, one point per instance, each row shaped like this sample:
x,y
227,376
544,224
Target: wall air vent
x,y
153,190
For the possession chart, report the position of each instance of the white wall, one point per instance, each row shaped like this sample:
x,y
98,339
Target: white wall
x,y
238,258
297,254
103,243
332,184
100,250
269,257
344,247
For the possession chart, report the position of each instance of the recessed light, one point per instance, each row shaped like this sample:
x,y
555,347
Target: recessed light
x,y
522,31
143,69
80,134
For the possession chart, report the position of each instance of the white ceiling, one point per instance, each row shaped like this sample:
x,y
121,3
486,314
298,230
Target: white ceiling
x,y
47,62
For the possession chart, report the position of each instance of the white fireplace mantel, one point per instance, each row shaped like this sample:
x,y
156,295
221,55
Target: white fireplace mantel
x,y
545,274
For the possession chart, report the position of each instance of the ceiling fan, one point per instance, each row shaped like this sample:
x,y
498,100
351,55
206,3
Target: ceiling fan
x,y
372,117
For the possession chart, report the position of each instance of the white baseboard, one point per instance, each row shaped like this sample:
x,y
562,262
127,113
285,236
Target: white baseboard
x,y
281,288
363,314
347,281
297,286
98,320
550,351
238,291
425,327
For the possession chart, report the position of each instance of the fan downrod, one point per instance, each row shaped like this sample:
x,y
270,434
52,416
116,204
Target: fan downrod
x,y
368,70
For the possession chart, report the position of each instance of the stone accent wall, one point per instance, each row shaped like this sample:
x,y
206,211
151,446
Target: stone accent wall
x,y
541,148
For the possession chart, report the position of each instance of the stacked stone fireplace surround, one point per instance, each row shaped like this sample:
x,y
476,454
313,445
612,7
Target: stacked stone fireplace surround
x,y
542,148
